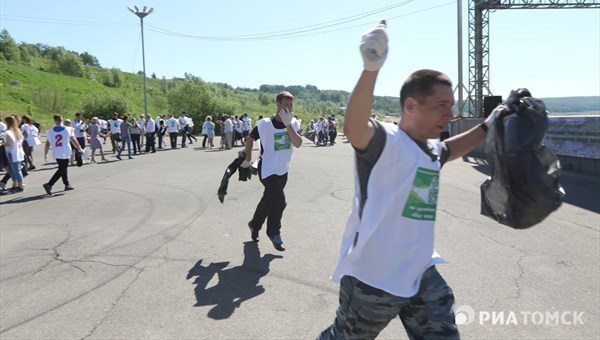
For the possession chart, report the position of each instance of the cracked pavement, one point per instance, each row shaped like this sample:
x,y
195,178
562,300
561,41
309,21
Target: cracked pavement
x,y
143,249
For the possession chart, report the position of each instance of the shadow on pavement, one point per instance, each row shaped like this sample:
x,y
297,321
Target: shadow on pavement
x,y
235,285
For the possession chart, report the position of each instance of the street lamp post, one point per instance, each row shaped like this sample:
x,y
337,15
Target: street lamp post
x,y
141,14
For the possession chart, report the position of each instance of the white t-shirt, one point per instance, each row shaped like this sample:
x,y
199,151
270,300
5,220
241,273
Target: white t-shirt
x,y
59,138
32,132
182,121
246,124
296,123
150,125
237,125
172,125
277,149
227,125
79,128
392,244
115,125
14,152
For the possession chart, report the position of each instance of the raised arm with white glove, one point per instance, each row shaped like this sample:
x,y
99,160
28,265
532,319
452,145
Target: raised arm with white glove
x,y
374,47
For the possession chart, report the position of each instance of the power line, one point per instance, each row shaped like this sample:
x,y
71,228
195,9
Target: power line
x,y
298,32
302,29
308,30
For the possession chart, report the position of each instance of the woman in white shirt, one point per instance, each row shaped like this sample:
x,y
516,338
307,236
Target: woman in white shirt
x,y
13,146
30,135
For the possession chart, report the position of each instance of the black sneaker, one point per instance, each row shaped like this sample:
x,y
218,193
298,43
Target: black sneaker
x,y
253,233
69,187
278,243
48,188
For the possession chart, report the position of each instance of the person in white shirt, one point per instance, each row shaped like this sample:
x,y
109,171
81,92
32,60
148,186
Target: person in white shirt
x,y
103,125
209,128
142,124
227,131
189,129
150,133
79,127
237,131
115,131
386,266
296,123
58,139
30,135
173,128
321,129
13,148
246,125
182,127
161,129
277,136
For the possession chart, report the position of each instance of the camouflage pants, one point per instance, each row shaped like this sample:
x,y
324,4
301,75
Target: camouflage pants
x,y
365,311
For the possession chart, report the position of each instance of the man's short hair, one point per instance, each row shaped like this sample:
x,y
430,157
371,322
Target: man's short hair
x,y
420,84
57,118
282,95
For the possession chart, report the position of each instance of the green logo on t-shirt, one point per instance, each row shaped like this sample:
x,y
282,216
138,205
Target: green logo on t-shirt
x,y
282,141
422,199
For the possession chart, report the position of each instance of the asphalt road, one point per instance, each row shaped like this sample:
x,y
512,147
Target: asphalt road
x,y
142,248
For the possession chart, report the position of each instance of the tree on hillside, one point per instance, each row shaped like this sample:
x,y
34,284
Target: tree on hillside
x,y
197,99
8,48
89,60
116,76
70,64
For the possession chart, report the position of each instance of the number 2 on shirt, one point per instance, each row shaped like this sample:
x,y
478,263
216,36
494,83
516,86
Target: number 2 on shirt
x,y
58,141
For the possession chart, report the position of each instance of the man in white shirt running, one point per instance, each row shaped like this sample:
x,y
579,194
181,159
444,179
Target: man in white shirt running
x,y
58,139
386,267
277,136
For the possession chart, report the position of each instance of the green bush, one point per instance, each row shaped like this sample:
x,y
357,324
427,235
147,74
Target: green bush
x,y
104,105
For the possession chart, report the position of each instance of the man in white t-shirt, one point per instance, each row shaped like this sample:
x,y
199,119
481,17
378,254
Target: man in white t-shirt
x,y
79,127
173,128
246,125
277,136
387,261
59,138
227,132
115,131
182,124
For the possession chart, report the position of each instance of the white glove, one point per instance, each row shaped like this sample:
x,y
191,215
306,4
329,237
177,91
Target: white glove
x,y
286,116
374,47
246,164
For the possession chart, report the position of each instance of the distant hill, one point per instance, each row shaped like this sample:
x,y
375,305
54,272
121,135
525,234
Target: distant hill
x,y
565,105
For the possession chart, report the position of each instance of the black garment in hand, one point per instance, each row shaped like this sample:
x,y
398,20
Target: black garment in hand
x,y
244,174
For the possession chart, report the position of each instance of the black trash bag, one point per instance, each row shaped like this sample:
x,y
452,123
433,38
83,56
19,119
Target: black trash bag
x,y
523,188
79,158
244,175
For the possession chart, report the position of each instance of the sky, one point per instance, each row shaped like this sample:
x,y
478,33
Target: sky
x,y
554,53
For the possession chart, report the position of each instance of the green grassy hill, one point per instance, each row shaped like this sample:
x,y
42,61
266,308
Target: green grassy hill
x,y
30,89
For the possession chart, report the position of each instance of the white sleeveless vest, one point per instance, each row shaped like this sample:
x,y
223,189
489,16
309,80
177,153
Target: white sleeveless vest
x,y
395,241
277,149
59,138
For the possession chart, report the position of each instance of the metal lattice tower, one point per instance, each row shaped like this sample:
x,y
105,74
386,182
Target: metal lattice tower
x,y
479,67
